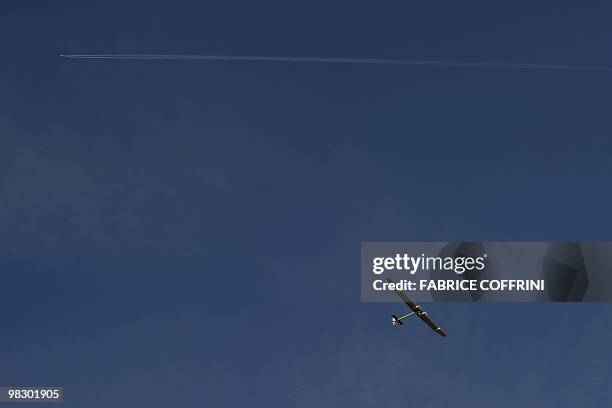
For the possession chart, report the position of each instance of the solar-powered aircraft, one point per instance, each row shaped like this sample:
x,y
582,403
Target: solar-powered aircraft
x,y
416,310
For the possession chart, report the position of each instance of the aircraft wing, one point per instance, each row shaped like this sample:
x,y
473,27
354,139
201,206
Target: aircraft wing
x,y
419,311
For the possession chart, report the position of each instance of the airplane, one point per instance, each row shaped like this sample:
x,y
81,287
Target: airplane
x,y
416,309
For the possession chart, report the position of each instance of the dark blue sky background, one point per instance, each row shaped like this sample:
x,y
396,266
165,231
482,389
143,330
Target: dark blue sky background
x,y
187,233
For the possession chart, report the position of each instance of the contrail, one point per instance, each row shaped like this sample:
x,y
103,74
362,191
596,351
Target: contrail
x,y
326,60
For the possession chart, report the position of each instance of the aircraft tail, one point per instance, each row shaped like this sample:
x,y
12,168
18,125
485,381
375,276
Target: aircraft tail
x,y
396,320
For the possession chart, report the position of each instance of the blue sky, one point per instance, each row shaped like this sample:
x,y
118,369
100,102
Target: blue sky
x,y
188,234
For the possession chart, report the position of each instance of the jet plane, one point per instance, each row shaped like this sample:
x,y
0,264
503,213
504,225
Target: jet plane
x,y
416,310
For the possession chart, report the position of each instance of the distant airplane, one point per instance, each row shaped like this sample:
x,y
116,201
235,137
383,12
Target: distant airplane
x,y
416,309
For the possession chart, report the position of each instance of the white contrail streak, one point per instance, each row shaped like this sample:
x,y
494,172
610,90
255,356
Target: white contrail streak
x,y
326,60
